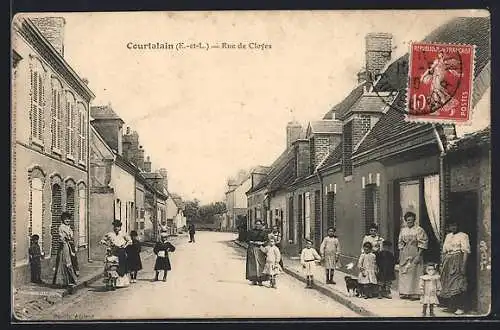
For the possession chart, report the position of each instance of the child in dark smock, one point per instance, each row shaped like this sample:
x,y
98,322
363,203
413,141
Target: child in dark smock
x,y
161,250
134,256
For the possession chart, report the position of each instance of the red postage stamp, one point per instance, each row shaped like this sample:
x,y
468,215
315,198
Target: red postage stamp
x,y
440,82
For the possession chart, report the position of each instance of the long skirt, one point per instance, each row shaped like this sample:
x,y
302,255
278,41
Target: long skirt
x,y
256,261
453,282
123,276
330,261
409,273
65,273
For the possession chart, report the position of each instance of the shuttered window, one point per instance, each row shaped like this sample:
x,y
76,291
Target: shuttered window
x,y
37,101
56,128
82,133
70,128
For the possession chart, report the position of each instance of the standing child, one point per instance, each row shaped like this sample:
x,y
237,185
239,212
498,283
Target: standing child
x,y
273,257
134,256
330,251
161,249
385,264
308,257
430,288
35,254
367,265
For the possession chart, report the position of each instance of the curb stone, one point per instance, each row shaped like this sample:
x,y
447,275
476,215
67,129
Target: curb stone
x,y
324,290
40,305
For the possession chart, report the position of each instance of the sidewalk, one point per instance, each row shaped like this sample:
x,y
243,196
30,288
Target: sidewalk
x,y
373,307
32,299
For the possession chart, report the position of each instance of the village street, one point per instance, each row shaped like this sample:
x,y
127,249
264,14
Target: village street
x,y
207,281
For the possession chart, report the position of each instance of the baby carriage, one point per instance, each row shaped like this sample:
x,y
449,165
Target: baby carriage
x,y
111,264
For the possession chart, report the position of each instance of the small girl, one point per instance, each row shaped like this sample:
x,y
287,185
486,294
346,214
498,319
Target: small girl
x,y
273,257
161,250
134,256
111,264
430,288
308,257
367,265
330,251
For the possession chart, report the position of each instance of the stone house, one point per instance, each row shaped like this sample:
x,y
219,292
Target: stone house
x,y
386,166
50,139
236,201
112,178
256,195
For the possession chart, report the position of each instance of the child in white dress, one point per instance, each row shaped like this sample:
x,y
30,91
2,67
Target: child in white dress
x,y
330,251
273,257
430,288
308,258
367,265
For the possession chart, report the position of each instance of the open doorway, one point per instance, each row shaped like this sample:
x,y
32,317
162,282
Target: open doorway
x,y
464,211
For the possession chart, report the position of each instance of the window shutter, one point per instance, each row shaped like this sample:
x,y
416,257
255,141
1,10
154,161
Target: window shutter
x,y
53,121
68,116
59,120
41,98
34,99
73,131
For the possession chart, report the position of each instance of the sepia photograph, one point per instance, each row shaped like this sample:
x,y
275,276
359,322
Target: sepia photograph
x,y
185,165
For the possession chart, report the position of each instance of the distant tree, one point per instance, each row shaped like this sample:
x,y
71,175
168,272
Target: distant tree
x,y
192,210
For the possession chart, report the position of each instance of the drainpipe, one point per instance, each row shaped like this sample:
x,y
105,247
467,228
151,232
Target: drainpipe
x,y
318,174
89,259
442,183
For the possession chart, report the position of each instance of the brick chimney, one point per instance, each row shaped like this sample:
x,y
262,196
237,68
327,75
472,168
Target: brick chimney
x,y
293,133
378,51
127,145
302,157
109,125
52,28
164,173
140,158
147,165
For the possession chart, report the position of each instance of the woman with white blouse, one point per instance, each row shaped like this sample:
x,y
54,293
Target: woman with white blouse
x,y
456,250
117,242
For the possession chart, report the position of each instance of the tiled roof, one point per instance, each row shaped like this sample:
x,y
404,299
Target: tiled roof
x,y
471,30
103,112
326,126
333,157
476,139
343,107
261,169
372,102
284,174
274,169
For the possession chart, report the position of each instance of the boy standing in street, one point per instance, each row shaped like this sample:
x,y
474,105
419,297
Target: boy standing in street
x,y
308,258
35,254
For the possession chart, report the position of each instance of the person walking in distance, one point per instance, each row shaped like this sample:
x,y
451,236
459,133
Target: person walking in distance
x,y
191,231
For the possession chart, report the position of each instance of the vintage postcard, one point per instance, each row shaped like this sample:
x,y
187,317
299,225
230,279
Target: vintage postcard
x,y
251,164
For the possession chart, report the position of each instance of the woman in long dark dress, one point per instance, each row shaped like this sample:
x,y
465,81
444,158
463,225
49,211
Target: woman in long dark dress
x,y
65,269
256,259
456,250
134,256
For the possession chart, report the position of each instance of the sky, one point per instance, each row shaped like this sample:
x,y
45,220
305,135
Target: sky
x,y
205,114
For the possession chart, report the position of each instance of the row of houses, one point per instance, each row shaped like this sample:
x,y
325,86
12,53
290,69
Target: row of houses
x,y
363,163
68,155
